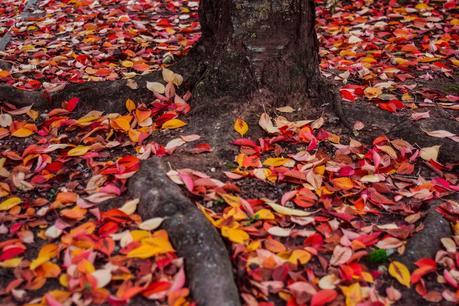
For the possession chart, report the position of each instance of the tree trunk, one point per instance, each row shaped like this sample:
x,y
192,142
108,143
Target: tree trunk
x,y
254,44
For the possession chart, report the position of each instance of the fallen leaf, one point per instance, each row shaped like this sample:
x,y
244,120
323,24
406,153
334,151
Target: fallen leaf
x,y
151,224
130,206
173,124
400,272
287,211
10,203
234,234
430,153
241,126
78,151
156,87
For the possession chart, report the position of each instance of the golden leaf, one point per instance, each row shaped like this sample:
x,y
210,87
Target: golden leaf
x,y
400,272
10,203
173,124
22,132
234,234
78,151
241,126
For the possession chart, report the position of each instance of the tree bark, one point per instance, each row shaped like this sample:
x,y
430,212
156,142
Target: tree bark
x,y
259,44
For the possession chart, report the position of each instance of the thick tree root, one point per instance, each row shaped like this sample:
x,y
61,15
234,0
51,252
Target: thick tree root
x,y
207,262
107,96
426,243
378,122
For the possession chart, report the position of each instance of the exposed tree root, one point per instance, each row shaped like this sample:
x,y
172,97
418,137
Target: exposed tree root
x,y
106,96
426,243
207,262
378,122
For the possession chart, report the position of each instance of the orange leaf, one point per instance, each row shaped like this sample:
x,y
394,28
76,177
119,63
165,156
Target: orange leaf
x,y
22,132
130,105
122,123
4,73
73,213
66,197
344,183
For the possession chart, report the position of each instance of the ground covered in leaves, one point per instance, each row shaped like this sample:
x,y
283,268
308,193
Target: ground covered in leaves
x,y
310,217
80,41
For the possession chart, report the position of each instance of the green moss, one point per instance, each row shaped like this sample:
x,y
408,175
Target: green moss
x,y
377,256
451,88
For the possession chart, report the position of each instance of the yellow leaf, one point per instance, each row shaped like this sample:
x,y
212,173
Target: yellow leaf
x,y
138,235
353,294
47,252
130,105
151,246
344,183
173,124
422,6
372,92
10,203
234,234
22,132
232,200
400,272
241,126
127,64
78,151
264,214
300,256
287,211
134,135
11,263
279,161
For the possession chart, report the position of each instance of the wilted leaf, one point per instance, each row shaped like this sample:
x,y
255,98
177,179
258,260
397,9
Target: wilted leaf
x,y
168,75
130,206
341,255
151,224
430,153
156,87
5,120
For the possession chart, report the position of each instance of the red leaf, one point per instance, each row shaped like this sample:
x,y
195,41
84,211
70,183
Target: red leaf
x,y
347,95
71,104
323,297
